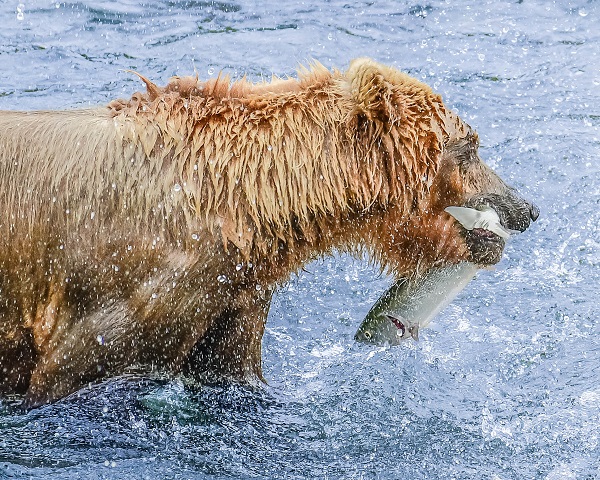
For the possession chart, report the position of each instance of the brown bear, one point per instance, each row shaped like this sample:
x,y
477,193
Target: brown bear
x,y
148,235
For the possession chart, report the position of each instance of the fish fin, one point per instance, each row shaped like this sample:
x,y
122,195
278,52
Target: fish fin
x,y
499,230
493,223
486,218
467,217
414,332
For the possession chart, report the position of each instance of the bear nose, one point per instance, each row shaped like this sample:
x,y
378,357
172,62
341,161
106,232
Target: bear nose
x,y
534,211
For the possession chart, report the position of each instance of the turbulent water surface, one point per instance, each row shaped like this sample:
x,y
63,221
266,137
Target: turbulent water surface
x,y
506,382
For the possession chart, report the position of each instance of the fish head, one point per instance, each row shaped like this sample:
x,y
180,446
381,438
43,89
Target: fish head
x,y
385,329
464,180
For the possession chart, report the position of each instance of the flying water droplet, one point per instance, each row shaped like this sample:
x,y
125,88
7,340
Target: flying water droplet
x,y
20,11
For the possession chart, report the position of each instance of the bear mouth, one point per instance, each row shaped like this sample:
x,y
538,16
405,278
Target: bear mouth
x,y
505,214
484,232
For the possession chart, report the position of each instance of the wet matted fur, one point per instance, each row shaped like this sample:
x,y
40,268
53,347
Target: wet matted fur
x,y
149,234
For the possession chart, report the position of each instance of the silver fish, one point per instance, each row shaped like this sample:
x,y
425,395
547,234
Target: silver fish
x,y
411,304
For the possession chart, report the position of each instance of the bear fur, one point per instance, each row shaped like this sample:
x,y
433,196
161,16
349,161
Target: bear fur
x,y
149,235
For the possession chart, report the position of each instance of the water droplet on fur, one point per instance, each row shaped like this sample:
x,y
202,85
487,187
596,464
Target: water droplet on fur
x,y
92,215
269,148
258,287
177,188
221,278
100,340
154,295
238,267
195,236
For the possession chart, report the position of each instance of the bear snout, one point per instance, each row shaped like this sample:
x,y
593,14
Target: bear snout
x,y
515,213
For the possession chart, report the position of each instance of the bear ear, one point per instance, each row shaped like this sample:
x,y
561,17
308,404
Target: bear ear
x,y
371,89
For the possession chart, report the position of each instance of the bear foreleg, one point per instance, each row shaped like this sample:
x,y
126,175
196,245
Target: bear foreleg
x,y
231,348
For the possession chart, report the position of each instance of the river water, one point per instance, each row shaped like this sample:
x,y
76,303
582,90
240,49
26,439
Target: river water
x,y
505,384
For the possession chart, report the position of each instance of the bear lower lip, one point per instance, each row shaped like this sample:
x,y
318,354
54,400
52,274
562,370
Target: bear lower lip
x,y
484,246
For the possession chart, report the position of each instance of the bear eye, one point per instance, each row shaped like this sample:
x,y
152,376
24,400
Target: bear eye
x,y
466,155
466,159
463,152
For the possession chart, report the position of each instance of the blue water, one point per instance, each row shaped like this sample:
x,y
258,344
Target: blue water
x,y
506,382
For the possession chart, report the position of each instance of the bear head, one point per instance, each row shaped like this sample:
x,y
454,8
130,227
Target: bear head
x,y
431,162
